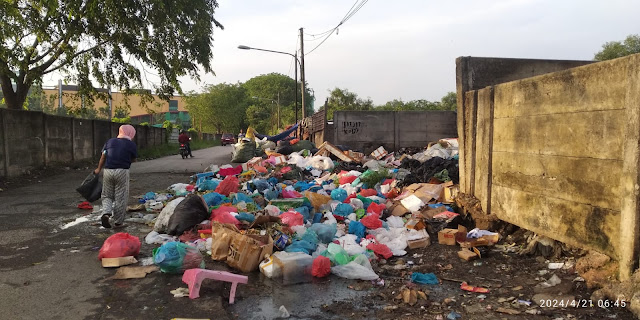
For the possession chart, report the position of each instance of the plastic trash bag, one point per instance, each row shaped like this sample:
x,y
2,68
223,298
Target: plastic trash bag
x,y
304,211
261,185
223,215
91,187
380,250
353,270
337,254
240,197
176,257
371,222
339,194
311,237
118,245
343,209
291,194
301,246
292,218
357,228
325,232
162,222
158,238
245,216
424,278
395,222
376,208
228,185
188,213
350,244
213,199
394,238
209,184
245,152
321,267
272,210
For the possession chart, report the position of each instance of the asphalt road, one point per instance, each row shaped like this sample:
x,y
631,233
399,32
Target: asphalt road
x,y
202,159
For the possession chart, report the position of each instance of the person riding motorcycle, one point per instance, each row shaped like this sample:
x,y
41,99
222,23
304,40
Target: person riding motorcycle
x,y
183,138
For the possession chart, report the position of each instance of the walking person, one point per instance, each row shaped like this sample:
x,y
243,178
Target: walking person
x,y
117,155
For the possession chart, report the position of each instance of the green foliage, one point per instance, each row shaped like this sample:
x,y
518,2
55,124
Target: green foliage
x,y
267,92
220,108
192,130
343,99
146,124
121,120
371,178
617,49
105,42
449,102
122,111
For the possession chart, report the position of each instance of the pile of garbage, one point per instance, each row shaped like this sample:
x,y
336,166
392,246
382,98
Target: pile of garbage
x,y
305,215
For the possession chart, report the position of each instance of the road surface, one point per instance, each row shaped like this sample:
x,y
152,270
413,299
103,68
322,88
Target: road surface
x,y
202,159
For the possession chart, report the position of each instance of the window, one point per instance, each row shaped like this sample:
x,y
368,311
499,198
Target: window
x,y
173,105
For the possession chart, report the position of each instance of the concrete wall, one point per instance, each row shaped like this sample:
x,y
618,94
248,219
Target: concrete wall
x,y
32,139
368,130
558,154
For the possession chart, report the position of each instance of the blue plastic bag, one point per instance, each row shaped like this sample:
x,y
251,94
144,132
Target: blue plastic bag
x,y
304,211
261,185
357,228
200,177
176,257
239,197
302,246
303,186
271,194
208,184
245,216
310,236
325,232
424,278
317,217
213,199
339,194
343,209
149,195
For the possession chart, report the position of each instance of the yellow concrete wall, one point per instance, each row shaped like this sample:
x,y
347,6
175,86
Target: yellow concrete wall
x,y
70,98
546,153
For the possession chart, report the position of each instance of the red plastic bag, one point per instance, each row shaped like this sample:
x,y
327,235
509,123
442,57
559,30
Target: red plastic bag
x,y
292,218
372,222
347,179
287,194
381,250
368,192
228,185
321,267
223,215
230,171
376,208
348,199
119,245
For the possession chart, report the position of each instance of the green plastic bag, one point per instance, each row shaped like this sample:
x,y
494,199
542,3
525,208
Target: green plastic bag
x,y
337,254
176,257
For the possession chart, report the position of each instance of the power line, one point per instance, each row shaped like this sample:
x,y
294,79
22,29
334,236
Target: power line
x,y
354,9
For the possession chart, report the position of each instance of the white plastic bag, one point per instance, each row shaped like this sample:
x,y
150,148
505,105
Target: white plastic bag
x,y
162,222
412,203
272,210
348,242
353,270
321,163
157,238
395,222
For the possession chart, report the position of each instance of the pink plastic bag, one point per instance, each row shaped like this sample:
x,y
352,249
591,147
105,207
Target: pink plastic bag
x,y
228,185
376,208
118,245
321,267
286,194
381,250
372,222
347,179
223,215
230,171
292,218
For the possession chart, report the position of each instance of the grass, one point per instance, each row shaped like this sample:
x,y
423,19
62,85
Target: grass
x,y
173,149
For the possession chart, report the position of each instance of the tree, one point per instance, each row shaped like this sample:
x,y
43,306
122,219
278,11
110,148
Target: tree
x,y
343,99
449,102
220,108
107,42
617,49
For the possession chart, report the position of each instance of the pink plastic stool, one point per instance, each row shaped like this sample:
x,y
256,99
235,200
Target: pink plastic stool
x,y
194,277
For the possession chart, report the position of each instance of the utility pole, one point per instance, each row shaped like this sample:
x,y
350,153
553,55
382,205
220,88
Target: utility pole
x,y
304,109
278,129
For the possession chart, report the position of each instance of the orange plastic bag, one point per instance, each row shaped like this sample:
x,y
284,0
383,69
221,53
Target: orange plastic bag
x,y
317,199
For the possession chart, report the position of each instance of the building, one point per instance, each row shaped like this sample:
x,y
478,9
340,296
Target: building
x,y
155,112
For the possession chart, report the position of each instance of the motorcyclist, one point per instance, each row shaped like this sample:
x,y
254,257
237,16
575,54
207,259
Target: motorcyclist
x,y
183,138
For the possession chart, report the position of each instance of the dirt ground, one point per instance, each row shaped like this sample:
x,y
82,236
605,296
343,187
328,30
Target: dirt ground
x,y
52,272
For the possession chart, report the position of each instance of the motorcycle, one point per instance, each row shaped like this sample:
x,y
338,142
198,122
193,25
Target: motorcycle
x,y
183,150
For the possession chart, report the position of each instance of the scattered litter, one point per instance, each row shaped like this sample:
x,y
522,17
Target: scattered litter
x,y
180,292
284,313
75,223
508,311
133,272
555,265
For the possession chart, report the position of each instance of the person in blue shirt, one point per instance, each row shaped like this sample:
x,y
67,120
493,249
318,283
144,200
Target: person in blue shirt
x,y
117,155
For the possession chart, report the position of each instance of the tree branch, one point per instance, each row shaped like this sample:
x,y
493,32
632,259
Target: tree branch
x,y
71,58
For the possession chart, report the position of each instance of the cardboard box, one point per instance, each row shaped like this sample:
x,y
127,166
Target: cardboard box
x,y
449,236
419,243
428,213
467,255
450,193
398,209
488,240
426,191
117,262
415,224
246,251
379,153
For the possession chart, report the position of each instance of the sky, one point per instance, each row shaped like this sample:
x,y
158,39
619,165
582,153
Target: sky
x,y
404,49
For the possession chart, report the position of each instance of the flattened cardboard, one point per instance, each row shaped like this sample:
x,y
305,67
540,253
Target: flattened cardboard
x,y
134,272
246,251
398,210
429,212
118,262
419,243
467,255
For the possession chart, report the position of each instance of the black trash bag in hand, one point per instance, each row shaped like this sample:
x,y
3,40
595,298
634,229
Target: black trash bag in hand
x,y
187,214
91,187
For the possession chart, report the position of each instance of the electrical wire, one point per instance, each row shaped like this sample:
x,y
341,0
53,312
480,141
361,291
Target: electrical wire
x,y
354,9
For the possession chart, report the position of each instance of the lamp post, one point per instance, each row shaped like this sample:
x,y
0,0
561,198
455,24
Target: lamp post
x,y
295,56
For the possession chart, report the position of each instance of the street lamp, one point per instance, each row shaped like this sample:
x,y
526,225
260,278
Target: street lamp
x,y
295,56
